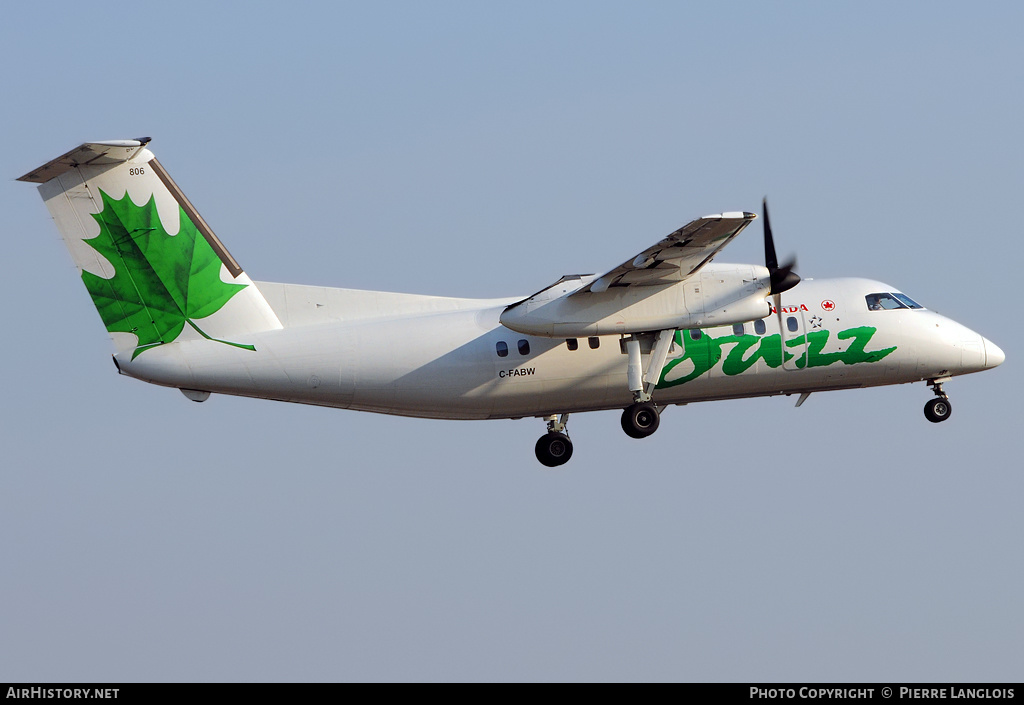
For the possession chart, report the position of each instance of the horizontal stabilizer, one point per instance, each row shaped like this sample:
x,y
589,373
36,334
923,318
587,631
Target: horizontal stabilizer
x,y
88,154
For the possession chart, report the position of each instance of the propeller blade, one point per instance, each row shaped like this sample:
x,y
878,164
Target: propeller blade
x,y
770,260
777,298
782,278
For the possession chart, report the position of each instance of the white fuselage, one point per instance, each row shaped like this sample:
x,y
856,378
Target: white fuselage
x,y
439,357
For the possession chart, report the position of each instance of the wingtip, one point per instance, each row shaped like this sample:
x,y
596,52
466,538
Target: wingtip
x,y
742,215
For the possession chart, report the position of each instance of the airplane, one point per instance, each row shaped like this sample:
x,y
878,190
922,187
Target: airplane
x,y
667,327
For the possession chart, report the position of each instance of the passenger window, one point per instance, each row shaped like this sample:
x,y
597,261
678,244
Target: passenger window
x,y
695,334
572,344
502,348
759,326
792,324
737,329
524,347
594,341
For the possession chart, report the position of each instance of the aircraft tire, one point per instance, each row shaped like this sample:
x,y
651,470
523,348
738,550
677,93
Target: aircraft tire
x,y
553,449
937,410
640,420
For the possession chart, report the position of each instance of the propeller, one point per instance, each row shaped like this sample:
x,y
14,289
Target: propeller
x,y
782,278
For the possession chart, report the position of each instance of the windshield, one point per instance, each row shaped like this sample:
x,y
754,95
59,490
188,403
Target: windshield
x,y
907,300
887,301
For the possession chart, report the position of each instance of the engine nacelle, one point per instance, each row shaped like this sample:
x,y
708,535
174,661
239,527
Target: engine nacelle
x,y
720,294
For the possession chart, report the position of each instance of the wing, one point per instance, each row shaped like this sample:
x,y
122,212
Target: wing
x,y
677,256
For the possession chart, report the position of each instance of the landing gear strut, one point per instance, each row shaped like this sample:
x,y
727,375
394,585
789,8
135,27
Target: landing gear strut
x,y
554,448
640,419
938,409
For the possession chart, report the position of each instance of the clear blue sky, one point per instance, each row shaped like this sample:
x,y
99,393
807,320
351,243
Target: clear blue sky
x,y
477,149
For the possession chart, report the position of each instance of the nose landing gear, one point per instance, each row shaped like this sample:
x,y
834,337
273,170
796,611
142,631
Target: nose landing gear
x,y
938,409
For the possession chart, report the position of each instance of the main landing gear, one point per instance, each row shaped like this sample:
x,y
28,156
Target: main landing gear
x,y
554,448
938,409
641,418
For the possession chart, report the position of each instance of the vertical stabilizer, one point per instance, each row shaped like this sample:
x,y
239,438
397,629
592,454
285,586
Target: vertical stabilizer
x,y
155,270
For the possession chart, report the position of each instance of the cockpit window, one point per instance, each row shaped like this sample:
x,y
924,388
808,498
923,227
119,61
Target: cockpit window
x,y
907,300
883,302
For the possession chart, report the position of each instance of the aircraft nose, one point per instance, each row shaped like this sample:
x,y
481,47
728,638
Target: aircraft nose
x,y
994,356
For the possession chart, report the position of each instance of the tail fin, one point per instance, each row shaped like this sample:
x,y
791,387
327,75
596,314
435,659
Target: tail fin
x,y
154,268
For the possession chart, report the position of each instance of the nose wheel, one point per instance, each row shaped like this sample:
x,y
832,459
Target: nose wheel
x,y
938,409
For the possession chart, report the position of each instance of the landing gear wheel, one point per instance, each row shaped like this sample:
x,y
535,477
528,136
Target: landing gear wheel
x,y
640,420
553,449
937,410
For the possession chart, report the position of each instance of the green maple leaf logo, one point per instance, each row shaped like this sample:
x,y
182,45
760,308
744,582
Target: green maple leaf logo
x,y
161,282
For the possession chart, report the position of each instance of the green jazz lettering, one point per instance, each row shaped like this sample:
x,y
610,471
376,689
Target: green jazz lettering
x,y
741,352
